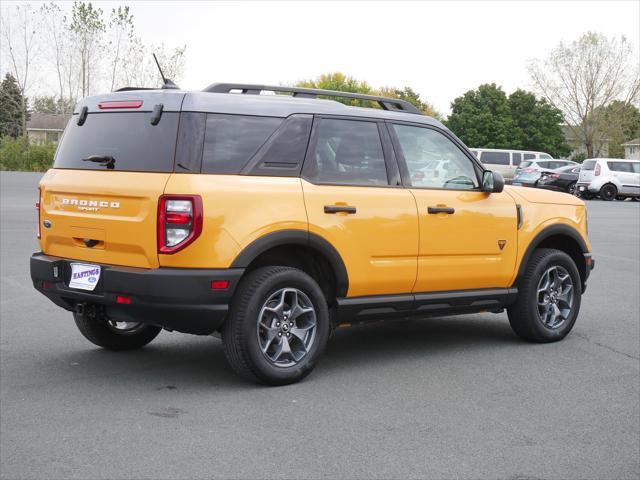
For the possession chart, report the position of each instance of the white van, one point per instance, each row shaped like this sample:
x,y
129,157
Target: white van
x,y
506,161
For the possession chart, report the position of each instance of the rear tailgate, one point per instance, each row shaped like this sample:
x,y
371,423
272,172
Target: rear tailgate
x,y
587,171
96,213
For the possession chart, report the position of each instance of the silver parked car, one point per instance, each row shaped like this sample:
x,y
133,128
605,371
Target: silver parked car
x,y
609,178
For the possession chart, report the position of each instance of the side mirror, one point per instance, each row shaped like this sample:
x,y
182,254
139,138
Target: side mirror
x,y
492,182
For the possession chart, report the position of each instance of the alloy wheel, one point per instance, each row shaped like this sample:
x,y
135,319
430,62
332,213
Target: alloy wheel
x,y
555,294
286,327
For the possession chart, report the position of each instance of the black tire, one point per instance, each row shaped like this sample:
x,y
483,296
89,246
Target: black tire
x,y
523,314
240,332
608,192
571,188
100,333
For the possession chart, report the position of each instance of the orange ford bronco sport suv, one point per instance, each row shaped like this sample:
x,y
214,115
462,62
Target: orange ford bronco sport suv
x,y
271,219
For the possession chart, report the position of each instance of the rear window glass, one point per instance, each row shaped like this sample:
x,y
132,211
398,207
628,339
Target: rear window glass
x,y
495,158
525,164
231,140
545,156
127,137
529,156
589,165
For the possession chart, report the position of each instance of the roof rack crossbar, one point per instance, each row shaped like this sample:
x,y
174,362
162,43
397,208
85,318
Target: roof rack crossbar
x,y
386,103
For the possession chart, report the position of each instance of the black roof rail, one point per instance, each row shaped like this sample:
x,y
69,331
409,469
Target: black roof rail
x,y
386,103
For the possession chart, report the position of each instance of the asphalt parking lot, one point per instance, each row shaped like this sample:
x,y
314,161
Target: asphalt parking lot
x,y
440,398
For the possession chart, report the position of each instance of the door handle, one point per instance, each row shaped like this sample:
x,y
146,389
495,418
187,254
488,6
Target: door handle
x,y
339,209
447,210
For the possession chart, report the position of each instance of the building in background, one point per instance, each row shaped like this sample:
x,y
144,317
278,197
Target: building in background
x,y
46,127
632,149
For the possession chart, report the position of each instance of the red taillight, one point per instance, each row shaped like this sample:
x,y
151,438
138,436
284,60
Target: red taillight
x,y
219,284
38,231
529,170
123,300
597,172
179,221
555,175
120,104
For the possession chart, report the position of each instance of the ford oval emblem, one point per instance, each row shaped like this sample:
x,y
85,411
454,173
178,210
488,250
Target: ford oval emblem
x,y
47,224
92,279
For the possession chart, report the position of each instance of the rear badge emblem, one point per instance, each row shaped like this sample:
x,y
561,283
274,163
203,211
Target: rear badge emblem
x,y
501,244
47,224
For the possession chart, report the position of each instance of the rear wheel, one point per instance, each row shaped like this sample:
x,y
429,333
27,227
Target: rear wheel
x,y
114,335
572,188
277,327
548,297
608,192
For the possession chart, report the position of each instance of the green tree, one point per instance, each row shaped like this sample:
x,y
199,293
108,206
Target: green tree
x,y
537,124
343,83
51,104
121,32
408,94
87,27
488,118
619,122
12,110
482,118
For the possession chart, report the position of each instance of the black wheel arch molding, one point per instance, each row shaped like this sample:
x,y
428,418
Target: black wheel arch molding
x,y
561,231
305,238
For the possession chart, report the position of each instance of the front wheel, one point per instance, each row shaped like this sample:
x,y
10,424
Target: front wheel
x,y
113,335
608,192
277,327
549,297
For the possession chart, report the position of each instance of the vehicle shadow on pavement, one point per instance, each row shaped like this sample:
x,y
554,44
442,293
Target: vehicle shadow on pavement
x,y
423,337
176,362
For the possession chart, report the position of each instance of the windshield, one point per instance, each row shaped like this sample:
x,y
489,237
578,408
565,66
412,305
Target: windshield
x,y
127,137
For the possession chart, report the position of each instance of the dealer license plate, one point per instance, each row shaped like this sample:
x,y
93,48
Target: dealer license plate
x,y
84,276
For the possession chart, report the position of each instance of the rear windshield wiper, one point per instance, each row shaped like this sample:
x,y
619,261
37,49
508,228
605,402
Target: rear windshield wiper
x,y
104,160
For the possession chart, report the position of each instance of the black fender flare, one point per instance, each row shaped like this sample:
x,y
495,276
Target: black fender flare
x,y
550,231
297,237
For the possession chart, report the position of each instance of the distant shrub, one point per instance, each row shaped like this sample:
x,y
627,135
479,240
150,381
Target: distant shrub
x,y
579,157
17,154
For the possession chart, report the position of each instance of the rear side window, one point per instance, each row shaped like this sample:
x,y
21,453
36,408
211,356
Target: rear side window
x,y
516,158
620,167
127,137
545,156
589,165
495,158
529,156
231,140
636,167
545,165
347,152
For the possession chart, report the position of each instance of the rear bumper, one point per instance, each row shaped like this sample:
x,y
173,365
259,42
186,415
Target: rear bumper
x,y
173,298
587,187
